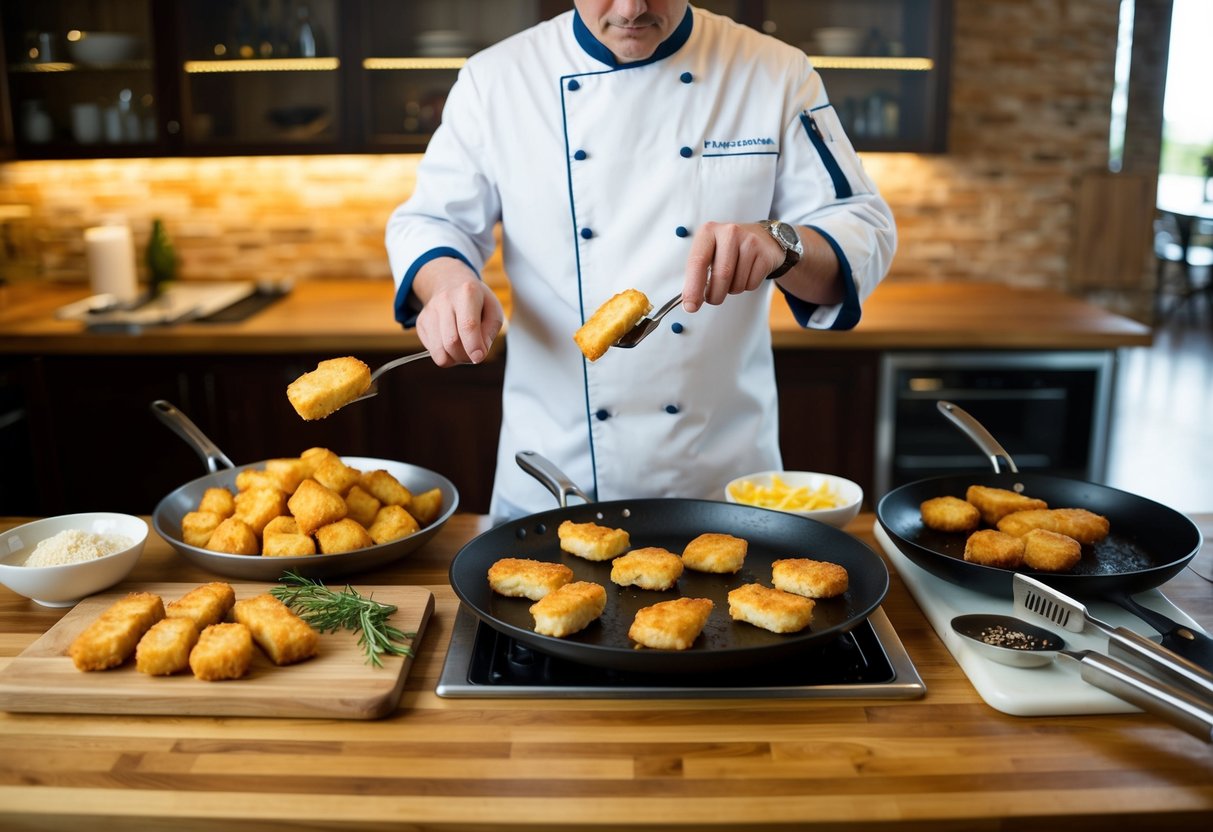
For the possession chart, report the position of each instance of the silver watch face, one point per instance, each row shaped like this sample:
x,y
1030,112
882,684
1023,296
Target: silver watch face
x,y
786,234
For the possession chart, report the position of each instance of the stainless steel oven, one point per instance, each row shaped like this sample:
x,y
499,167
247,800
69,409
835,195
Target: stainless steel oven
x,y
1049,410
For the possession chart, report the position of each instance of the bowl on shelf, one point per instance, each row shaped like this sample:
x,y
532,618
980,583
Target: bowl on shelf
x,y
831,499
839,40
100,48
62,585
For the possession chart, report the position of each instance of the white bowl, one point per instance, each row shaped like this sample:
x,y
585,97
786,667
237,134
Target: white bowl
x,y
850,494
63,586
839,40
103,48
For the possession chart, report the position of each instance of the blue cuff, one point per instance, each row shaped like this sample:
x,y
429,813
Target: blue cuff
x,y
851,311
405,314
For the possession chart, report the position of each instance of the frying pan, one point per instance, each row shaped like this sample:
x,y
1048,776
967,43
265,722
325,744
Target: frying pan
x,y
1148,545
171,509
670,524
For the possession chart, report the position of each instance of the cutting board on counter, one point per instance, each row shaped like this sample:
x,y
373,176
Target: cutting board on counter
x,y
335,683
1053,689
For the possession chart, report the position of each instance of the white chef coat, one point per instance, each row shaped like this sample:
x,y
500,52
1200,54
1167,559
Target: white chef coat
x,y
600,174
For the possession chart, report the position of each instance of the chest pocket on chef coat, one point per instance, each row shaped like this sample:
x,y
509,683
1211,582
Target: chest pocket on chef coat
x,y
736,187
824,131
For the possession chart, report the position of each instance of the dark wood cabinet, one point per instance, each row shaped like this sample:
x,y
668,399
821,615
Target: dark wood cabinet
x,y
115,78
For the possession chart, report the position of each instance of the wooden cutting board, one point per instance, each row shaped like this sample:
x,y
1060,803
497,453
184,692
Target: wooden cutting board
x,y
335,683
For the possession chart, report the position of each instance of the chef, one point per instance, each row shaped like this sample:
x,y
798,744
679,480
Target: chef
x,y
638,145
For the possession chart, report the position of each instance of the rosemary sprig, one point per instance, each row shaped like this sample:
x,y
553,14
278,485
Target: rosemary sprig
x,y
328,611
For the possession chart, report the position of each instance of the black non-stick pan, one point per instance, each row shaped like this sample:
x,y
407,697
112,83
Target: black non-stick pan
x,y
671,524
1148,545
174,506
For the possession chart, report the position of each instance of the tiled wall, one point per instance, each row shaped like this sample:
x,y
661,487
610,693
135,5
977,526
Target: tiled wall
x,y
1030,109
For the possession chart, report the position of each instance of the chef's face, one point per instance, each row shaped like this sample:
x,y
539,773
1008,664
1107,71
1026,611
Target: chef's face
x,y
631,29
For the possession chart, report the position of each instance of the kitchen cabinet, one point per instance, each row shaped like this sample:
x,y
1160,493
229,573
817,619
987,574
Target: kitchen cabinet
x,y
237,77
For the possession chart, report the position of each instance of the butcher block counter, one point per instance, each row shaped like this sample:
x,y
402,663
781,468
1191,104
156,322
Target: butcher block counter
x,y
946,761
356,317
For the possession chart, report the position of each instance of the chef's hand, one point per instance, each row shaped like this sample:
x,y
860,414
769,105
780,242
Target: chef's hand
x,y
731,258
460,315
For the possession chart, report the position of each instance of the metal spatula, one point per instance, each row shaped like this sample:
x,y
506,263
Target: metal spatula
x,y
1034,598
373,390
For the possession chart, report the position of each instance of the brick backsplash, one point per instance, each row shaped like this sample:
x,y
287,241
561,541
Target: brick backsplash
x,y
1029,117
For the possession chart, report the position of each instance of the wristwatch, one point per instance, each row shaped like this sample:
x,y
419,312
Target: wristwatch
x,y
784,234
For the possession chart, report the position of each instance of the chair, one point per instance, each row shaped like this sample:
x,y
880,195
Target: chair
x,y
1183,246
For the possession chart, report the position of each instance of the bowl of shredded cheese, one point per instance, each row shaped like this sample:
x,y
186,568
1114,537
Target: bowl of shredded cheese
x,y
823,497
57,561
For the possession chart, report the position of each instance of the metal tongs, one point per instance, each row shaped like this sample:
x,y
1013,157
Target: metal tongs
x,y
373,390
646,325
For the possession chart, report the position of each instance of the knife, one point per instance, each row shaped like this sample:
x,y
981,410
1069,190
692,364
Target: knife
x,y
1034,598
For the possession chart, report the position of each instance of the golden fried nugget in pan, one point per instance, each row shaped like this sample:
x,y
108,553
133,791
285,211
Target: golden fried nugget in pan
x,y
650,567
810,578
1048,551
671,625
950,514
592,541
996,503
711,552
770,609
569,609
994,548
527,578
1078,523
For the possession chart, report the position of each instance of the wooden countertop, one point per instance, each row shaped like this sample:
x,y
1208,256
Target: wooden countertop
x,y
356,317
944,762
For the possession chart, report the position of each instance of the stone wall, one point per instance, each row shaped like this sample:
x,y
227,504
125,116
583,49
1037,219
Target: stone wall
x,y
1029,117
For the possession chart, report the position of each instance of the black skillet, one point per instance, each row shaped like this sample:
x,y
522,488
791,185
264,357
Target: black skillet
x,y
671,524
1148,545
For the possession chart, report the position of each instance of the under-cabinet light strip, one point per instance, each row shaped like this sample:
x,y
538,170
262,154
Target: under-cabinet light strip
x,y
904,64
265,65
413,63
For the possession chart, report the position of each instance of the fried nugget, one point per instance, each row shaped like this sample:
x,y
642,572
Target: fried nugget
x,y
362,505
331,386
282,524
426,506
336,476
770,609
313,458
994,548
314,506
996,503
259,505
721,553
612,320
1078,523
392,523
234,537
591,541
950,514
1048,551
284,545
288,472
568,609
253,478
810,578
650,567
285,637
113,636
527,578
223,651
671,625
198,526
204,605
343,536
386,488
165,648
218,501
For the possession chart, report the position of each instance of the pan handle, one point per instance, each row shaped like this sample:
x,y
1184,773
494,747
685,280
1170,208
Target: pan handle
x,y
194,437
977,432
552,478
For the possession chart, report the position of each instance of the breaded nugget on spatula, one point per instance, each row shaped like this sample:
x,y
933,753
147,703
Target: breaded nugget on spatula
x,y
332,385
650,567
610,322
671,625
770,609
113,636
527,578
568,609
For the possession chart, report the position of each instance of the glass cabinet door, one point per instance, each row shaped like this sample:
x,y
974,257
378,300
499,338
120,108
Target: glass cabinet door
x,y
80,77
413,52
260,76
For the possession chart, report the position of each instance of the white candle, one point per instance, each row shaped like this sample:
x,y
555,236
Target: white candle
x,y
111,261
